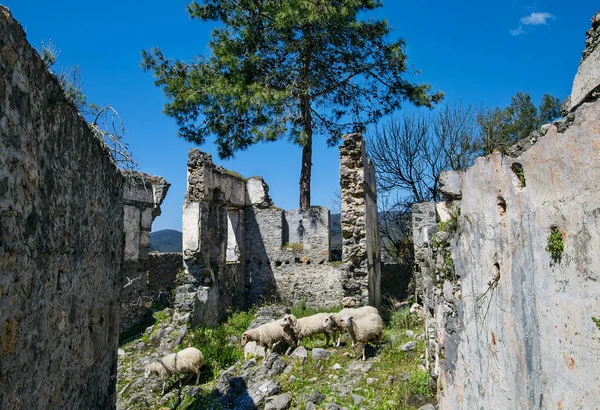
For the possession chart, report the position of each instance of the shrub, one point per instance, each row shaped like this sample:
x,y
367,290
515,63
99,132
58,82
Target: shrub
x,y
555,244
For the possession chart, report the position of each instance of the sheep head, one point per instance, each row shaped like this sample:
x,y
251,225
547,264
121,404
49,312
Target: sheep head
x,y
290,321
329,322
246,338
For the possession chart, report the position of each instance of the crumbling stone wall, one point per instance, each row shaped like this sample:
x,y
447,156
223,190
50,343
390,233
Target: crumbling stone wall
x,y
61,231
239,249
510,321
288,257
213,236
162,268
143,194
361,247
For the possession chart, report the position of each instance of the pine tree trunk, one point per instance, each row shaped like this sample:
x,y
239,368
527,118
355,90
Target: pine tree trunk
x,y
305,172
307,125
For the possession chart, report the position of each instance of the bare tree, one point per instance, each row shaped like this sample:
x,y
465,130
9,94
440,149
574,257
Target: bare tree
x,y
409,153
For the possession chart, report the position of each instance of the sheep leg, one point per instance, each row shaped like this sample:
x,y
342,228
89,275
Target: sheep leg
x,y
163,387
339,340
363,352
197,376
326,339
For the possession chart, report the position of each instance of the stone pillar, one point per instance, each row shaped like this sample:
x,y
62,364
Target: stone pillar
x,y
361,249
143,194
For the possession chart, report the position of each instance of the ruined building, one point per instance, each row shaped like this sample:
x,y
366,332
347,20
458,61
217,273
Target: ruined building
x,y
508,266
240,249
143,194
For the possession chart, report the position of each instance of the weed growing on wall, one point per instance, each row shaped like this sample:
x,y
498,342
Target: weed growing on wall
x,y
294,246
555,244
596,321
520,174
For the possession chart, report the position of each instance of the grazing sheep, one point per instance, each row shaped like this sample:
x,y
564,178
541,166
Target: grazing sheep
x,y
188,360
335,322
418,310
269,334
310,326
363,329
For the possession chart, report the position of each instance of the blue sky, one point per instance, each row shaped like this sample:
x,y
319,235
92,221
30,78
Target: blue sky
x,y
479,52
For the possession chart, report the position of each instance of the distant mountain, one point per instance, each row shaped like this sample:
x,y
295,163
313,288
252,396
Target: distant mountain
x,y
167,240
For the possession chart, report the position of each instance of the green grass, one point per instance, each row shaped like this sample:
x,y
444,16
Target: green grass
x,y
294,246
410,390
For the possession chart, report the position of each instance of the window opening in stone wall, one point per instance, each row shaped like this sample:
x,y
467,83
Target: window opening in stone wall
x,y
233,236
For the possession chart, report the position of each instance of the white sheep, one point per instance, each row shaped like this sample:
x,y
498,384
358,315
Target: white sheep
x,y
418,310
335,322
310,326
363,329
269,334
188,360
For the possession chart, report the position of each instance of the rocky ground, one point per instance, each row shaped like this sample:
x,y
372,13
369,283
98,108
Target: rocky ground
x,y
319,377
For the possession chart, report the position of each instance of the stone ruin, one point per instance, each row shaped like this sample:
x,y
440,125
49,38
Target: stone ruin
x,y
74,243
143,194
508,310
240,249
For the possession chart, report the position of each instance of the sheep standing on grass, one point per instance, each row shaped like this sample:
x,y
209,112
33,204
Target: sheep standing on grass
x,y
269,334
310,326
188,360
363,329
335,322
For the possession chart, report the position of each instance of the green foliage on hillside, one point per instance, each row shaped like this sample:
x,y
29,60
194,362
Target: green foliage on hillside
x,y
167,240
503,127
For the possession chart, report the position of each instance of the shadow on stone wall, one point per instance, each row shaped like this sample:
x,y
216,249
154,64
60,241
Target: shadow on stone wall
x,y
260,280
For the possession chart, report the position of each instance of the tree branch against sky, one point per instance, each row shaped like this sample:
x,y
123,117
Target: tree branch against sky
x,y
286,68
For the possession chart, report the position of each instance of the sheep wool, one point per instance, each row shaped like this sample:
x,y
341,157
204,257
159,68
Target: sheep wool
x,y
335,322
310,326
269,334
363,329
188,360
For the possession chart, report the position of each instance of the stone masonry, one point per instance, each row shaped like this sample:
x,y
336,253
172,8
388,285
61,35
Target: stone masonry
x,y
61,249
239,249
510,280
142,197
361,248
213,251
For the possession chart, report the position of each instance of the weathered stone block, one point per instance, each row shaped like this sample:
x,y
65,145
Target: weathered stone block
x,y
451,184
587,79
191,228
424,219
257,193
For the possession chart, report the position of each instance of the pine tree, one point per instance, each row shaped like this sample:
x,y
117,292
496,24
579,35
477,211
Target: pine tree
x,y
291,68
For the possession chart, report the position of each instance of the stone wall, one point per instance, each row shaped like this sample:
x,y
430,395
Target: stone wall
x,y
361,248
509,321
61,232
213,237
288,254
143,194
162,271
240,250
